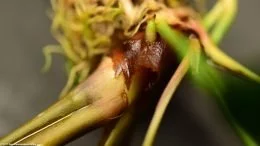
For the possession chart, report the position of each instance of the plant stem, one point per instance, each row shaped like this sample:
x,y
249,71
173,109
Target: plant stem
x,y
56,111
213,15
164,101
150,31
118,132
105,97
207,74
177,41
103,79
229,12
89,117
79,122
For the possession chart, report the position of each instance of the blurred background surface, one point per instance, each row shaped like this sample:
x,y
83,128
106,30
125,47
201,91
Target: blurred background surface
x,y
192,119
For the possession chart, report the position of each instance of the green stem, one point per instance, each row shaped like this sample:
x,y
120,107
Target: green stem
x,y
150,31
213,15
179,42
113,102
164,101
221,15
175,39
229,12
103,79
79,122
118,132
115,135
56,111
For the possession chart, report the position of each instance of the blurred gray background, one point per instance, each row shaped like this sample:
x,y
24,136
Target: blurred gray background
x,y
192,118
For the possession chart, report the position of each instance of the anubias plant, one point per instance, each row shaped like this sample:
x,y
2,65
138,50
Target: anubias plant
x,y
115,51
